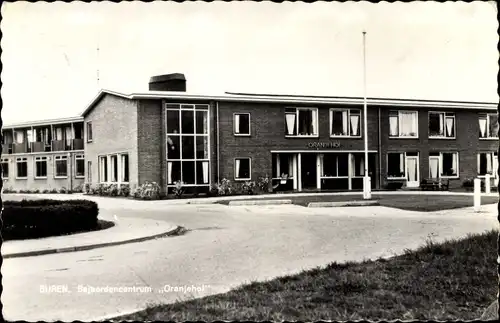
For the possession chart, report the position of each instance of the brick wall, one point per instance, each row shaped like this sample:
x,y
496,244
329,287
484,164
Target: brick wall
x,y
150,141
114,129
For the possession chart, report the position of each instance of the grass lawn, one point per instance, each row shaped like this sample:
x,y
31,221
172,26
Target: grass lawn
x,y
426,203
456,280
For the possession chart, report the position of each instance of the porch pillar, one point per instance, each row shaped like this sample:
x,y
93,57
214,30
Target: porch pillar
x,y
318,171
299,171
349,174
294,169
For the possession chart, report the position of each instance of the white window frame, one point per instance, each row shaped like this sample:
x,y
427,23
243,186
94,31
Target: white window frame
x,y
80,157
297,109
40,159
91,137
488,135
348,123
60,157
6,161
404,177
237,114
112,169
121,169
278,167
249,169
440,170
399,124
494,168
445,116
22,160
321,163
102,169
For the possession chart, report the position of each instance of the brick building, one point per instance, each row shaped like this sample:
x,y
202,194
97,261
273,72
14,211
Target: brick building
x,y
302,142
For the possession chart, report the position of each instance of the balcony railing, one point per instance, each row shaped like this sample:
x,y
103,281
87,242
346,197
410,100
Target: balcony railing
x,y
58,145
20,148
37,147
6,149
77,144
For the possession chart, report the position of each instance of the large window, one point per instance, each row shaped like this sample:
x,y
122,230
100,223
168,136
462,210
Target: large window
x,y
301,122
89,132
441,125
124,168
241,123
403,124
345,122
488,125
283,166
22,167
79,166
487,163
242,169
357,165
334,165
89,171
103,169
187,144
40,167
443,164
61,165
5,168
114,168
395,165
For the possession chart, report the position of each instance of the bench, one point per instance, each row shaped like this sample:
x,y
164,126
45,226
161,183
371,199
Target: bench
x,y
434,184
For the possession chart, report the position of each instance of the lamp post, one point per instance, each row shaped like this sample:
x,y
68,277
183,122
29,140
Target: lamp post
x,y
366,179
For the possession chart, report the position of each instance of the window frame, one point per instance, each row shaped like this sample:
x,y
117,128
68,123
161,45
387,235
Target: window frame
x,y
440,170
488,135
102,169
5,161
40,159
90,137
404,177
22,160
60,157
79,157
360,130
120,165
493,155
445,115
249,169
337,155
249,124
399,125
296,128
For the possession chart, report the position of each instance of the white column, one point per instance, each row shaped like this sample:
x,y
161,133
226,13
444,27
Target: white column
x,y
487,184
349,165
318,171
477,195
299,171
295,172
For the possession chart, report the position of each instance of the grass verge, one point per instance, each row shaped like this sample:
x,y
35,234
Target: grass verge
x,y
455,280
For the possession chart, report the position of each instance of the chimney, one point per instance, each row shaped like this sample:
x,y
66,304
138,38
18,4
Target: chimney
x,y
168,82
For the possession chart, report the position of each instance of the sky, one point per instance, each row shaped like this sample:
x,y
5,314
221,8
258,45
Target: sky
x,y
418,50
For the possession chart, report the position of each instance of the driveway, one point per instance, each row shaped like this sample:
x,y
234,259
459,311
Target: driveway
x,y
227,246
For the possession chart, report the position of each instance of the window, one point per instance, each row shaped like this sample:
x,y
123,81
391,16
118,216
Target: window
x,y
334,165
443,164
22,167
441,125
403,124
345,122
487,163
5,168
103,169
242,169
187,141
301,122
89,171
124,168
395,165
40,167
358,165
61,164
283,165
114,168
89,132
241,123
488,125
79,166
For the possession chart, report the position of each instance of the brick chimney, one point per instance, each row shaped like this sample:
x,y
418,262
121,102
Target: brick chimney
x,y
168,82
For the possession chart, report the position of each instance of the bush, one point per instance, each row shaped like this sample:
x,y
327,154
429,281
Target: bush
x,y
248,188
148,191
178,189
112,190
53,191
263,184
87,188
45,191
29,219
8,190
223,188
78,189
124,190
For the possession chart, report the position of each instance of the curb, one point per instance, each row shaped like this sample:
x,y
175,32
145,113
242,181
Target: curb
x,y
176,231
342,204
260,202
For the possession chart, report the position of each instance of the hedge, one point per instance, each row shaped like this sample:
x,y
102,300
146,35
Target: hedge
x,y
29,219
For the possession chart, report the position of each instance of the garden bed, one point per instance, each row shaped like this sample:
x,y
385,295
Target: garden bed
x,y
32,219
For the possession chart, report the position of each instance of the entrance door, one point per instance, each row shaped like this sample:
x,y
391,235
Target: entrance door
x,y
308,171
412,173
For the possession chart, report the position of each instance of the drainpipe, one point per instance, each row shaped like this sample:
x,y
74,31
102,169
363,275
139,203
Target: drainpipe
x,y
218,141
379,151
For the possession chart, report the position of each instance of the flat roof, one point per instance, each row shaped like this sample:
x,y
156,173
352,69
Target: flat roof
x,y
45,122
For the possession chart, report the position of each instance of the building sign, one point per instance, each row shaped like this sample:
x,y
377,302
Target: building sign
x,y
317,145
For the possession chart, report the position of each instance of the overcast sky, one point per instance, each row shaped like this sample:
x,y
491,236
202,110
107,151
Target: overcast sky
x,y
443,51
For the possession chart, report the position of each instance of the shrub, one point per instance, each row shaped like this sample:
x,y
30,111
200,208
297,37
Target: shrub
x,y
37,191
112,190
53,191
148,191
78,189
178,189
469,183
87,188
248,188
8,190
62,190
41,218
223,188
45,191
124,190
263,184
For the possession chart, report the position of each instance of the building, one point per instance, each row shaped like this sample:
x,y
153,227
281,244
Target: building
x,y
302,142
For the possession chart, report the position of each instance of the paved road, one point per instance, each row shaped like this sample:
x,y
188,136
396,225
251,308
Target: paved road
x,y
227,246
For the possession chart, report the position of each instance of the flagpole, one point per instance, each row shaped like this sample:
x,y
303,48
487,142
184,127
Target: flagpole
x,y
366,182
